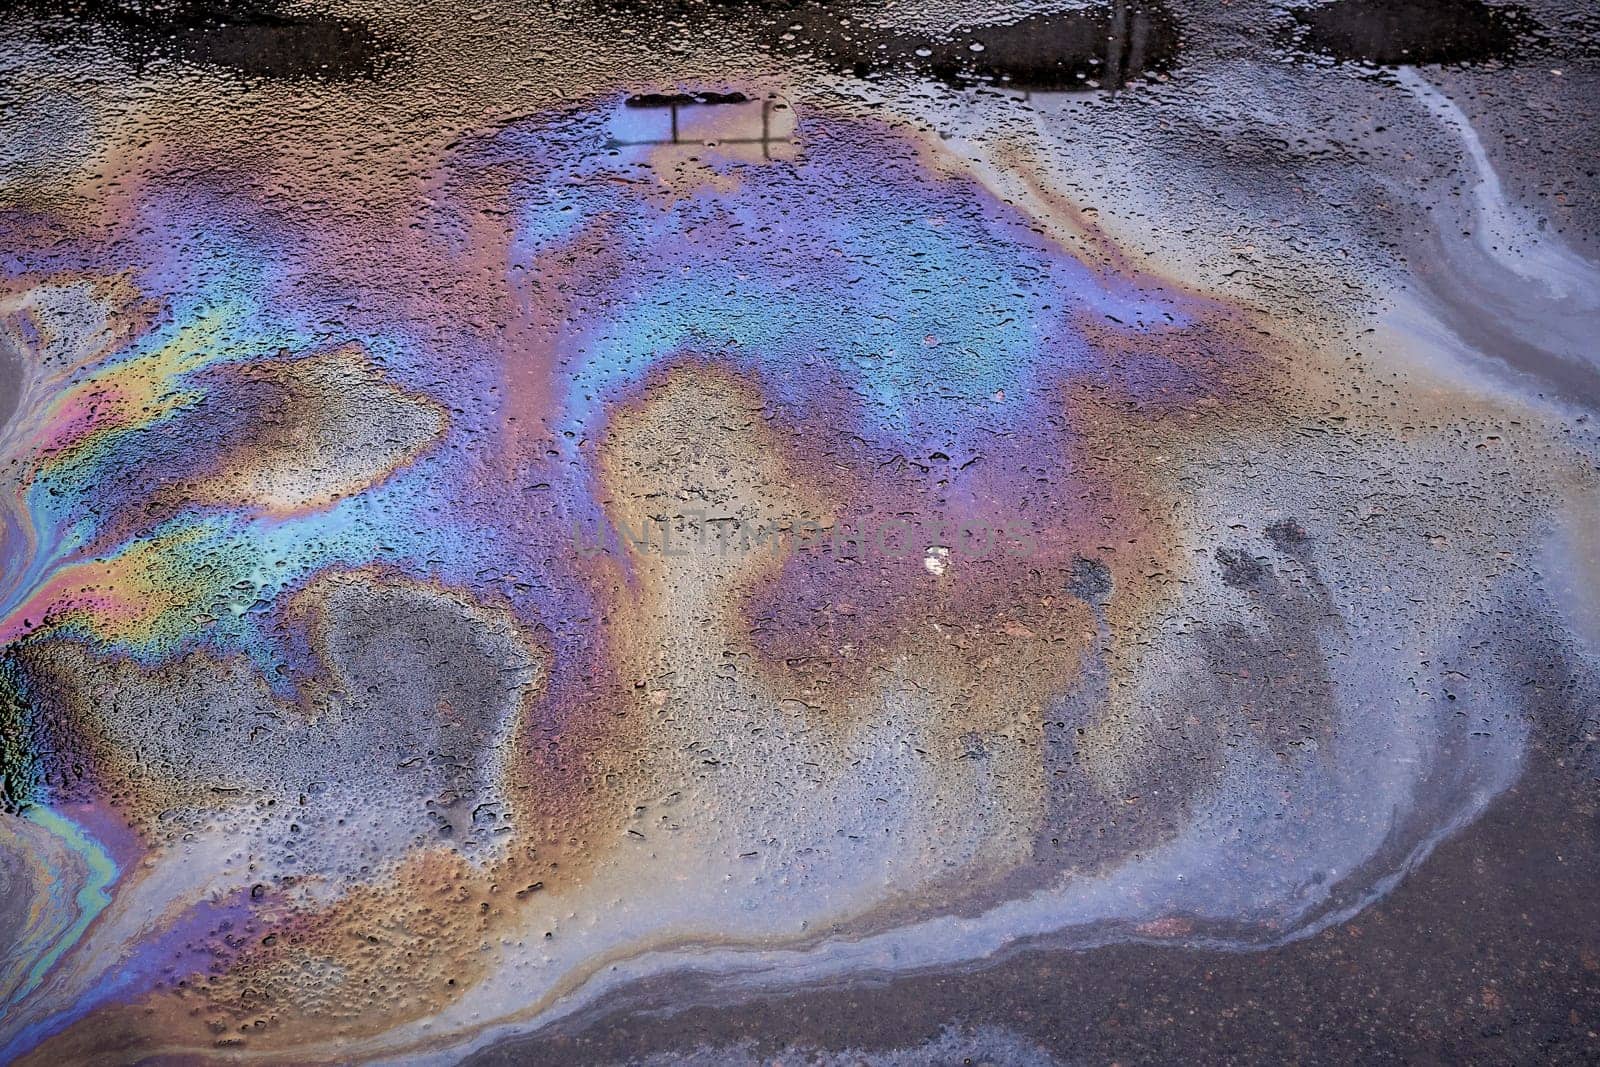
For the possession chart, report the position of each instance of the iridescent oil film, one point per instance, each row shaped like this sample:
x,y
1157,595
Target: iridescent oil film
x,y
799,531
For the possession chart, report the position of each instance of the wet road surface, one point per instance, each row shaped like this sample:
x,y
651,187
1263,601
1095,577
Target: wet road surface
x,y
806,532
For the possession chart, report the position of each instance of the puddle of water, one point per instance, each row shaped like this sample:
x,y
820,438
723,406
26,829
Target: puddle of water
x,y
1398,32
1102,46
258,39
